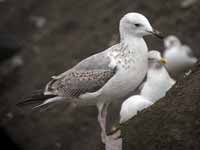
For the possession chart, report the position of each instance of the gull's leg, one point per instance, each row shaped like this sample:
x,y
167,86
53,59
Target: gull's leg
x,y
102,113
103,118
112,142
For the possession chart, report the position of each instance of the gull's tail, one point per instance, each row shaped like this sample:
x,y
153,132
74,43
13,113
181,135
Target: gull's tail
x,y
38,99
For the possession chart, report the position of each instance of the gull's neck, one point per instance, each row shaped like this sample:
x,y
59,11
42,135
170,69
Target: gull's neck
x,y
135,43
127,38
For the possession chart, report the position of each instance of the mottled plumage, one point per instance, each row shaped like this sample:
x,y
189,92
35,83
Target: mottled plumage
x,y
111,75
74,83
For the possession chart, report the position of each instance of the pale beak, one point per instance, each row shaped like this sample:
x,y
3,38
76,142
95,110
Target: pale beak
x,y
163,61
157,34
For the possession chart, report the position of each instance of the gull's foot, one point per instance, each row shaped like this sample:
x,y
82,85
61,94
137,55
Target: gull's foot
x,y
114,129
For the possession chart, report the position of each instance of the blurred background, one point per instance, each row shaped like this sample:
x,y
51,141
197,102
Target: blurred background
x,y
39,39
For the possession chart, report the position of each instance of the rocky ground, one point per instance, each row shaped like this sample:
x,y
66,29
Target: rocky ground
x,y
55,35
172,123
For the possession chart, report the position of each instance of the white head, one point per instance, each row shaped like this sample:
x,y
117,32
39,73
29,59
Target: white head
x,y
155,60
135,24
171,41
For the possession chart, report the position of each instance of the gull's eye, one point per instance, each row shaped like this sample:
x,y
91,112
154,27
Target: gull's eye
x,y
151,59
137,24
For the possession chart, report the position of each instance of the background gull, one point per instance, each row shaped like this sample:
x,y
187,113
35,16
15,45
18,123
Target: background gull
x,y
180,57
158,80
108,76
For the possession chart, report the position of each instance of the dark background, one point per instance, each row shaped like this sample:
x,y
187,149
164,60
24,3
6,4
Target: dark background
x,y
51,36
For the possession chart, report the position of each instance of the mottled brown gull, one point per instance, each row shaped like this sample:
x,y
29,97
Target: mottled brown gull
x,y
107,76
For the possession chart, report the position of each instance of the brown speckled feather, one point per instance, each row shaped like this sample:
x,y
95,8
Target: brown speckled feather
x,y
74,83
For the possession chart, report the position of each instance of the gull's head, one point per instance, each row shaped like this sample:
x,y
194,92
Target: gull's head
x,y
171,41
135,24
155,59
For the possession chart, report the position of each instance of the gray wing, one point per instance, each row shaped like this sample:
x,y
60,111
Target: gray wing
x,y
95,62
87,76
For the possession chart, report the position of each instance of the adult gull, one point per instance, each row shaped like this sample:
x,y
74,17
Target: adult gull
x,y
180,57
158,80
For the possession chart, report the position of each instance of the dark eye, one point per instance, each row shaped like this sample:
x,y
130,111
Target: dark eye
x,y
137,24
150,59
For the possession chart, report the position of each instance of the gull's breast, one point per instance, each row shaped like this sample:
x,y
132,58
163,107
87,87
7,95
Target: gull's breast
x,y
131,70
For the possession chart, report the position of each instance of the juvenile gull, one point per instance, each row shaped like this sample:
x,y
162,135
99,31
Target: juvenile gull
x,y
180,57
107,76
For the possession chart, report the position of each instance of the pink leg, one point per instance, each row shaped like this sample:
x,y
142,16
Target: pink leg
x,y
111,142
102,120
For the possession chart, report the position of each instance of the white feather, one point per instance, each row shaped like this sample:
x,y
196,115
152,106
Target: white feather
x,y
131,107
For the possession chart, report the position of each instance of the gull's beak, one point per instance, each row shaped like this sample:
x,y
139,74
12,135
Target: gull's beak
x,y
157,34
163,61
